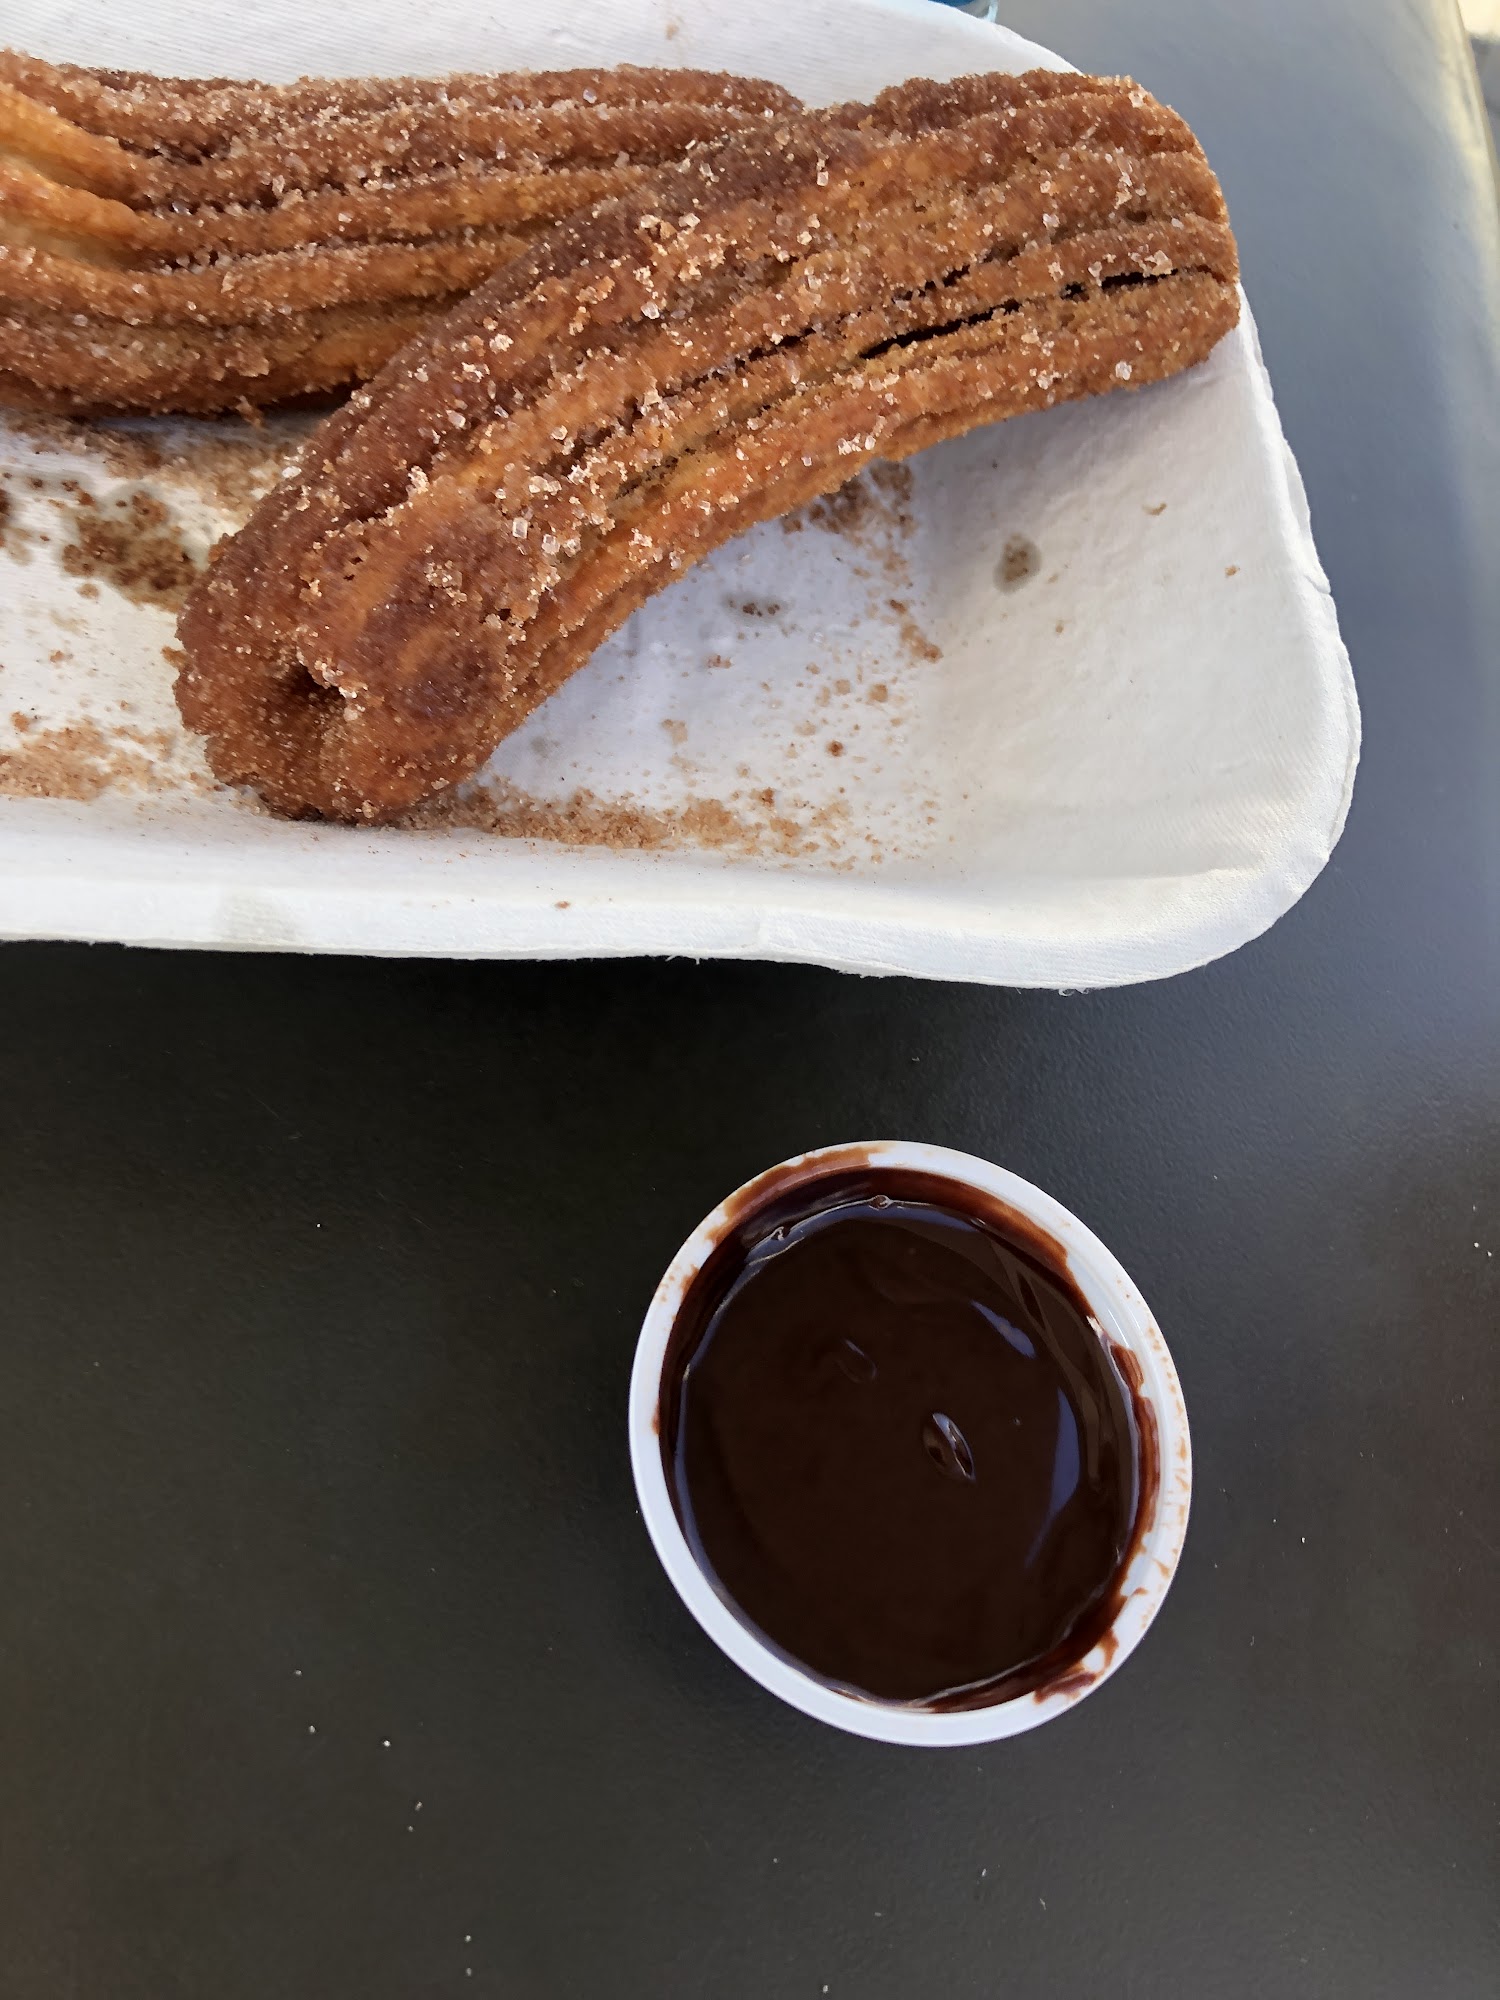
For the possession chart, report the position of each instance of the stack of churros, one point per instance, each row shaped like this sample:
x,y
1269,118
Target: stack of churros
x,y
196,245
728,338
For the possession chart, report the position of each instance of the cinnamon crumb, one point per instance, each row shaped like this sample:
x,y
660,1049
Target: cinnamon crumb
x,y
746,824
79,760
15,541
227,467
897,481
873,512
915,640
136,547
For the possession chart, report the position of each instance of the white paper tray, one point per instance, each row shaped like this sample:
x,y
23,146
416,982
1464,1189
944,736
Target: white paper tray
x,y
1130,759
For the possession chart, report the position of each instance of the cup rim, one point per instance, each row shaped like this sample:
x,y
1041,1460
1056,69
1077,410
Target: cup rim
x,y
1126,1320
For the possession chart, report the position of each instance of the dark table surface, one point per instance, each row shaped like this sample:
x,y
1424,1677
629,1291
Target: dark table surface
x,y
334,1660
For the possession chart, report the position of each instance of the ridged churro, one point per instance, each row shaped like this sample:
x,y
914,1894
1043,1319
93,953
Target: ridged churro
x,y
723,343
734,336
168,244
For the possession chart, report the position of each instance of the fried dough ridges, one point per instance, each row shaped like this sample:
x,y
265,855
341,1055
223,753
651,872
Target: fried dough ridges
x,y
172,244
730,338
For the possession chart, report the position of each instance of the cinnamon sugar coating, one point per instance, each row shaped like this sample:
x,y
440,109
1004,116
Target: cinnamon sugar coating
x,y
171,244
731,337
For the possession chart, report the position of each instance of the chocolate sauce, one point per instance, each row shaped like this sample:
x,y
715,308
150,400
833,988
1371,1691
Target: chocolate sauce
x,y
898,1444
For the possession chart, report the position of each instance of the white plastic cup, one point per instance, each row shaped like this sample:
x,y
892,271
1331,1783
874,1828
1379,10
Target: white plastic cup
x,y
1126,1321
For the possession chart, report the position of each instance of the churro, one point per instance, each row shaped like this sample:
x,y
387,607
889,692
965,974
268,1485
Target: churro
x,y
732,336
168,244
